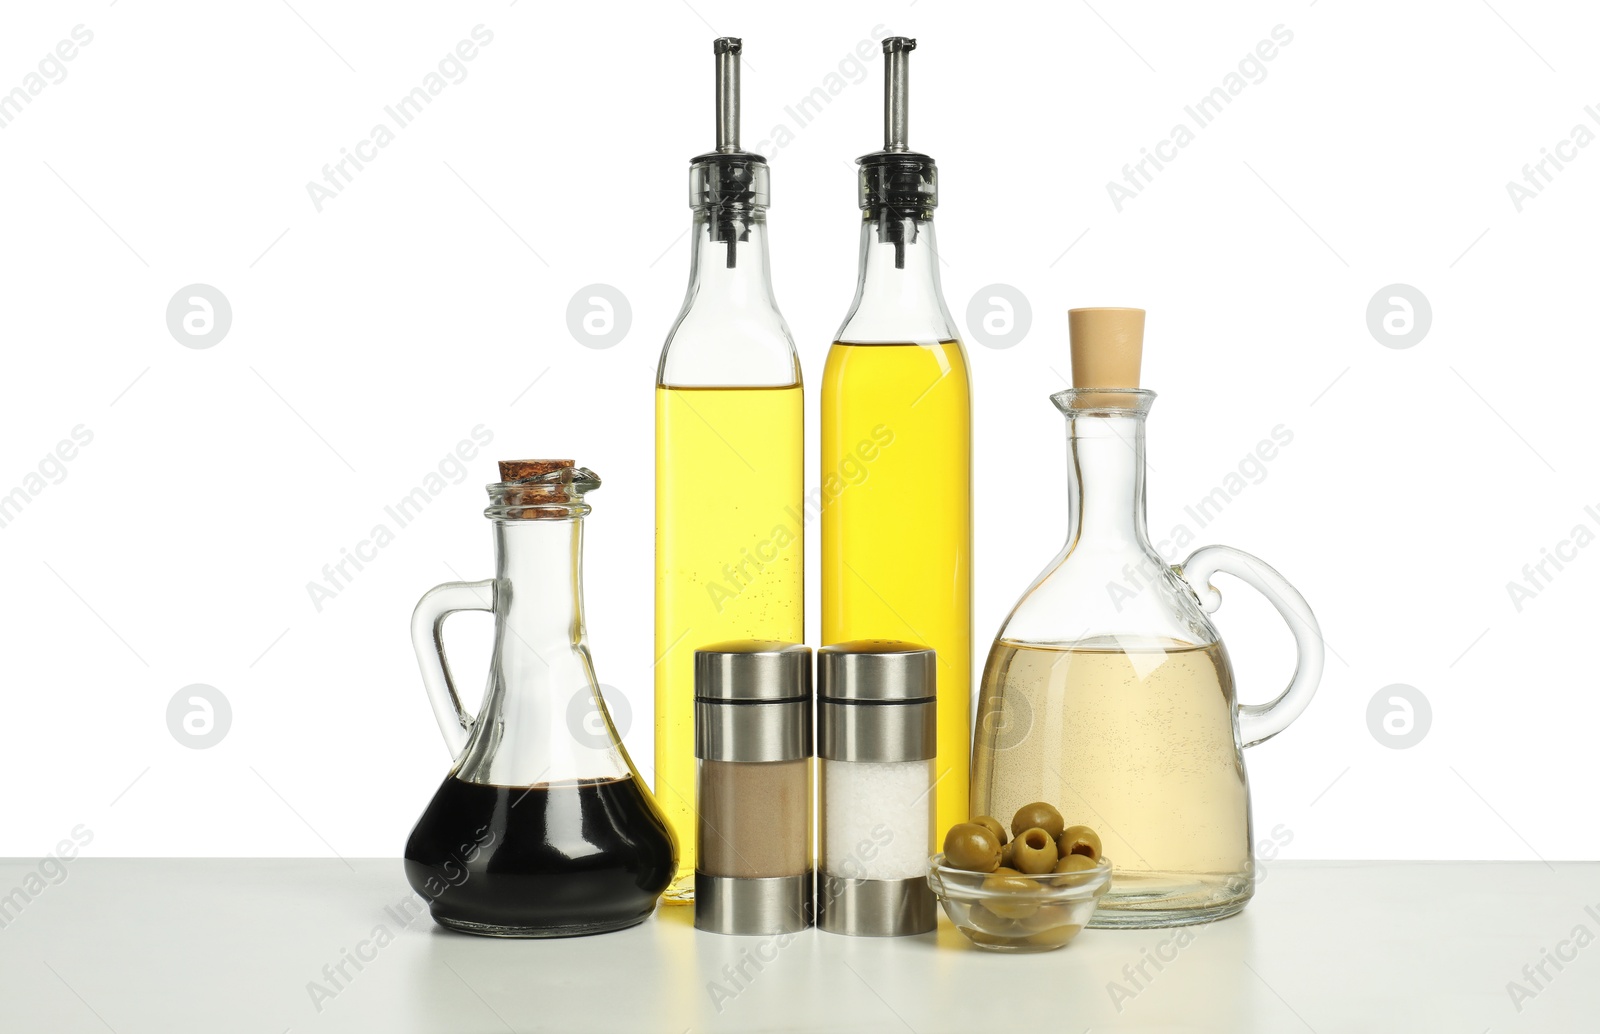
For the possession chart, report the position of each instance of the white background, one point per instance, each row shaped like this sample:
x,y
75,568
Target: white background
x,y
370,337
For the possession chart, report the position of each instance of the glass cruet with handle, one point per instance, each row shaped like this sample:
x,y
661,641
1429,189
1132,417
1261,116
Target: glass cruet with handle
x,y
542,828
1109,693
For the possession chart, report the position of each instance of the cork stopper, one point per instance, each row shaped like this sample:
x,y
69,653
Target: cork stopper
x,y
540,490
1107,344
516,470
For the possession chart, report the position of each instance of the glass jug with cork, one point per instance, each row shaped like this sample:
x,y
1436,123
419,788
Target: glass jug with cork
x,y
542,828
1109,692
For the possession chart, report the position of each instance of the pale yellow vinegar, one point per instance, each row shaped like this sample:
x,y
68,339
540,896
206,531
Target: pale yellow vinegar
x,y
1133,738
730,557
897,522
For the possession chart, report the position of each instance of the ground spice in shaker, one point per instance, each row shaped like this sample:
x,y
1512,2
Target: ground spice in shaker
x,y
748,814
753,748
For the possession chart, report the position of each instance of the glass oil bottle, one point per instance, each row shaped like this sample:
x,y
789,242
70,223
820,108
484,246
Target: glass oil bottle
x,y
730,455
896,443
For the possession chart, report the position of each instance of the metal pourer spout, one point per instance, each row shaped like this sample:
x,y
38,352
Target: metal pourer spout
x,y
729,183
896,92
898,184
727,50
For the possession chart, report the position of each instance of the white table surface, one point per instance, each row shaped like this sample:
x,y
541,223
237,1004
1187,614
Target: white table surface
x,y
169,946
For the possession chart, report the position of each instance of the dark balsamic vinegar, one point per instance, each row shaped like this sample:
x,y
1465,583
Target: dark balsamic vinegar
x,y
551,860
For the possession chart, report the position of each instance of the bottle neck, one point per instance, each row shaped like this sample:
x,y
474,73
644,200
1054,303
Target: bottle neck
x,y
728,264
539,576
1105,486
729,332
542,719
898,298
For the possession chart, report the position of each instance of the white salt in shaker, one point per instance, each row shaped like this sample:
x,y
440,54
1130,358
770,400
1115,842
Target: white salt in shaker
x,y
876,742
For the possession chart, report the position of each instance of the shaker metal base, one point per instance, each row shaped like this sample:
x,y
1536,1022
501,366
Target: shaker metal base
x,y
875,908
734,905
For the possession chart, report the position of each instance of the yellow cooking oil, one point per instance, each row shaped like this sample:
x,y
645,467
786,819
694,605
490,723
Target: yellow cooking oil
x,y
1134,737
897,522
730,557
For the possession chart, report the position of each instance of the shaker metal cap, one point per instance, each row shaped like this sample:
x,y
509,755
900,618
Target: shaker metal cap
x,y
876,671
752,670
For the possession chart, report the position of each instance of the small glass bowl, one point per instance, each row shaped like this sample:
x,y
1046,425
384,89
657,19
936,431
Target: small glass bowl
x,y
1037,913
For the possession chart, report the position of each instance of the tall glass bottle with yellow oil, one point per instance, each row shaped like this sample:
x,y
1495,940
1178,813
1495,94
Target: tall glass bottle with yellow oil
x,y
730,455
896,443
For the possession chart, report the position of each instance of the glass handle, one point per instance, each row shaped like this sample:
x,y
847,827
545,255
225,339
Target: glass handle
x,y
1260,722
427,638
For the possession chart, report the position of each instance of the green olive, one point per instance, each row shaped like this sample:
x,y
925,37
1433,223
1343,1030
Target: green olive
x,y
1008,854
972,847
1009,881
1047,916
1035,852
1054,937
993,826
1079,840
1038,815
1014,896
1006,870
981,919
1076,863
